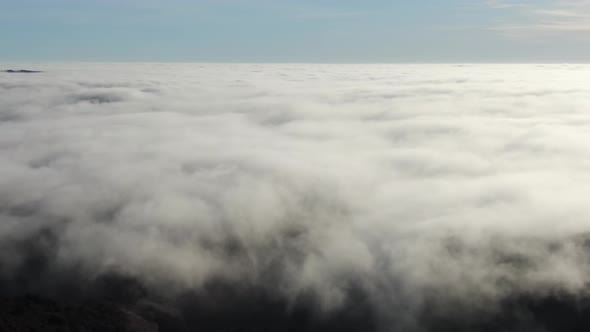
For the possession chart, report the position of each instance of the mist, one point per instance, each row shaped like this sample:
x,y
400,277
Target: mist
x,y
302,197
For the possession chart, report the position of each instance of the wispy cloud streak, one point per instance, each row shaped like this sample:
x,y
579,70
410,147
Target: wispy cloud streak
x,y
556,17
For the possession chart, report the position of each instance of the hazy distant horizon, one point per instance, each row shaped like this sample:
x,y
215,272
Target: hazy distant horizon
x,y
3,64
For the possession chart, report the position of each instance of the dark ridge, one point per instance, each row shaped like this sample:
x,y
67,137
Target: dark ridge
x,y
21,71
218,307
240,310
222,306
41,295
519,313
33,313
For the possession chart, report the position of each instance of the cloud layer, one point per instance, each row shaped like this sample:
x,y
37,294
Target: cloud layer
x,y
415,186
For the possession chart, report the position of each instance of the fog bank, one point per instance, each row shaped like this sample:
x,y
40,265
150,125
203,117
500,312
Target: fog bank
x,y
380,193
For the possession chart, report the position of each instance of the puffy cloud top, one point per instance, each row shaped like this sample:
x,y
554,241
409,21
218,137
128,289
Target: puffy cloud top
x,y
413,183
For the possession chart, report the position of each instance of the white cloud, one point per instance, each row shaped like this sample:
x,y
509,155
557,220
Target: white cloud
x,y
410,180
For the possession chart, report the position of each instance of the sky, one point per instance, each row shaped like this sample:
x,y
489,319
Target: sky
x,y
320,31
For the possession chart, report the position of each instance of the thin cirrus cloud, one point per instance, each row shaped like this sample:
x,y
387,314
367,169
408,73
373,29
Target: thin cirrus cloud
x,y
555,17
328,15
504,4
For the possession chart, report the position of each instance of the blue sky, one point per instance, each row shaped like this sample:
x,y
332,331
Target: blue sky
x,y
296,30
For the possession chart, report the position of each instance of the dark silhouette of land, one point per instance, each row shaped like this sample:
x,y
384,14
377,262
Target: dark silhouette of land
x,y
21,71
554,313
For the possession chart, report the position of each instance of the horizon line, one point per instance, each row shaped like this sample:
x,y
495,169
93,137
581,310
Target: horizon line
x,y
294,62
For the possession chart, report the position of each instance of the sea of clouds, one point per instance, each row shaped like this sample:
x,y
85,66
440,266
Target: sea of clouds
x,y
448,187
